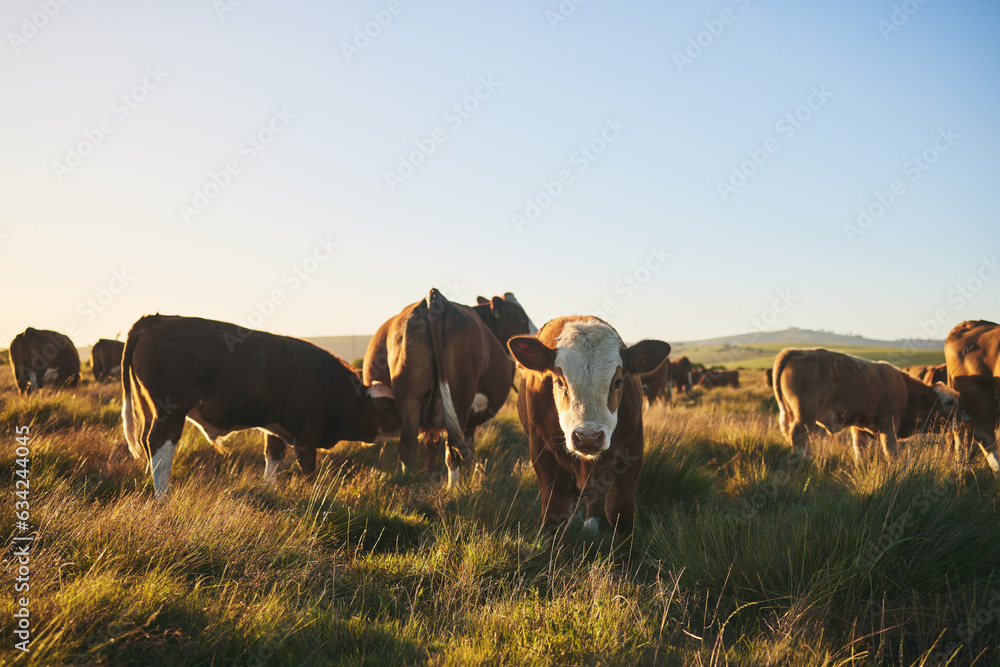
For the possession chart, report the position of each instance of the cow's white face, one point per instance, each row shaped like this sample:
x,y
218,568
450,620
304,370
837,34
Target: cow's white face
x,y
587,386
588,368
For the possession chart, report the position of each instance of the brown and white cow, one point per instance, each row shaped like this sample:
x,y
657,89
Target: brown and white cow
x,y
40,357
106,358
580,403
225,378
448,369
833,390
972,353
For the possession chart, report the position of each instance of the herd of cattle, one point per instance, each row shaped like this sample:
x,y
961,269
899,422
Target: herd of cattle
x,y
441,369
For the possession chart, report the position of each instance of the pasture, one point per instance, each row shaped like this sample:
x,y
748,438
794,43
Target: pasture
x,y
761,355
743,553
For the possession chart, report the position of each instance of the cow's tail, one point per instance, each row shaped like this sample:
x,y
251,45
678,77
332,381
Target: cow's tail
x,y
436,305
779,366
130,386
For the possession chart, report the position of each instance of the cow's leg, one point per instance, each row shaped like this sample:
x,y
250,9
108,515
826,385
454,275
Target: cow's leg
x,y
459,451
160,438
306,456
619,506
962,437
432,446
979,399
555,492
887,438
274,452
859,443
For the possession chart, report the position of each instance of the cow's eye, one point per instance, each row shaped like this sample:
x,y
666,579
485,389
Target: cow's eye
x,y
560,384
618,383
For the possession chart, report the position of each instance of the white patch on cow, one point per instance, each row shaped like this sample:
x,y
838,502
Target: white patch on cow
x,y
115,369
159,465
378,390
448,410
590,527
454,477
991,458
947,397
50,375
270,468
33,379
588,353
480,402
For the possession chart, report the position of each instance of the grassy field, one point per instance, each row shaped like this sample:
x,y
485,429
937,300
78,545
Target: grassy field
x,y
743,554
761,356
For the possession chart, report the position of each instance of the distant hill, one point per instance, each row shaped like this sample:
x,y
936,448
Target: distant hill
x,y
807,338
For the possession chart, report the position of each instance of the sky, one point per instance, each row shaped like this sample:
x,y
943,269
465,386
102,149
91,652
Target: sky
x,y
684,170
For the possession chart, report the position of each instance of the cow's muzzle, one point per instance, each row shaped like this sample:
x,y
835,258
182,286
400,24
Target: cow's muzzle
x,y
588,442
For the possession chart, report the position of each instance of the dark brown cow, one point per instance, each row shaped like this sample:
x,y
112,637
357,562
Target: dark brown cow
x,y
448,369
40,357
833,390
580,403
680,374
225,378
972,353
769,377
106,359
662,381
715,378
656,384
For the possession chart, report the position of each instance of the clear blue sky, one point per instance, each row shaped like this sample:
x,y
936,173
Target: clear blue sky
x,y
729,147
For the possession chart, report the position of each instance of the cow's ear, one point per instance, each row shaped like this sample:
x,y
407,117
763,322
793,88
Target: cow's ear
x,y
497,304
532,353
644,356
481,301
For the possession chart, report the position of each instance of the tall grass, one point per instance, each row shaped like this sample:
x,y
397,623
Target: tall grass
x,y
743,553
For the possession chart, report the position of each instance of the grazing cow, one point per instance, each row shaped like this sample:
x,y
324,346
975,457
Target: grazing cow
x,y
972,353
680,374
39,357
935,374
448,369
664,379
580,403
834,390
225,378
656,384
769,377
106,358
713,378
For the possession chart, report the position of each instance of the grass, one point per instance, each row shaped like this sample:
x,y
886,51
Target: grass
x,y
743,553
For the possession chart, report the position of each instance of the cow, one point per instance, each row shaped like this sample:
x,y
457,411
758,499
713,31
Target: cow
x,y
769,377
833,390
972,354
656,384
662,381
719,378
935,374
448,368
225,378
580,403
40,357
106,359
